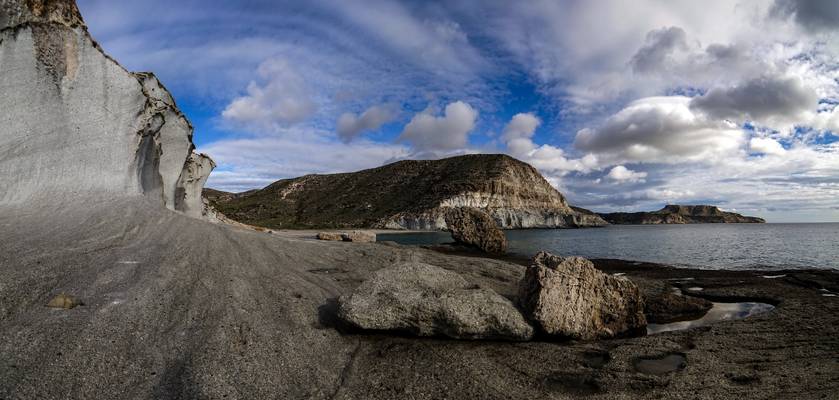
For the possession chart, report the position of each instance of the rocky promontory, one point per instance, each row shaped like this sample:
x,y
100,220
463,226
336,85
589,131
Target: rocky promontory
x,y
680,214
411,194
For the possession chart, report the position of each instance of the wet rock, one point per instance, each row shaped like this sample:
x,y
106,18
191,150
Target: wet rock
x,y
334,236
667,306
359,236
569,298
476,228
64,301
427,301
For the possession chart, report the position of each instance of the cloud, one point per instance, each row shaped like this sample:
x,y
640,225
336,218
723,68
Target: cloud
x,y
659,45
282,99
256,162
764,99
660,129
351,125
450,131
766,146
518,132
813,15
622,174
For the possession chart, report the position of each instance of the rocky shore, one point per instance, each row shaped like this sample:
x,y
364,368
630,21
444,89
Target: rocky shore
x,y
174,307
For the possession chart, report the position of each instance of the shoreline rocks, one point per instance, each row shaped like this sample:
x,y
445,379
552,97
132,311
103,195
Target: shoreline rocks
x,y
426,300
568,298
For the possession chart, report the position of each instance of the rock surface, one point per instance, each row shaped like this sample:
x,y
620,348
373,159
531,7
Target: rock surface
x,y
668,306
427,301
678,214
473,227
569,298
75,122
359,236
409,195
333,236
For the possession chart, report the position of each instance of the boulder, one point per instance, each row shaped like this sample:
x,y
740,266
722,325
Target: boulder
x,y
359,236
64,301
334,236
568,298
473,227
428,301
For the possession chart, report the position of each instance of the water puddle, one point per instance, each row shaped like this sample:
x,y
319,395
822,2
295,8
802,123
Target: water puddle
x,y
827,293
719,312
660,365
695,289
774,276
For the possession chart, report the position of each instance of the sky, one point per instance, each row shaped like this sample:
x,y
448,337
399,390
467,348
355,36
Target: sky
x,y
623,106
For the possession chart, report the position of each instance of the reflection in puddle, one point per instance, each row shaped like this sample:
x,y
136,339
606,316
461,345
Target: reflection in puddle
x,y
660,365
719,312
695,289
774,276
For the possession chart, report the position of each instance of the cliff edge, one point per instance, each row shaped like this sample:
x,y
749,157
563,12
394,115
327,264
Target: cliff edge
x,y
409,195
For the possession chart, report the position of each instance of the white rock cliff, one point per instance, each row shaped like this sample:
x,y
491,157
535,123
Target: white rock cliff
x,y
73,122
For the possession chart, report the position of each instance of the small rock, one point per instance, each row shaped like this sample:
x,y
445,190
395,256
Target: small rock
x,y
474,227
426,301
666,306
335,236
64,301
568,298
359,236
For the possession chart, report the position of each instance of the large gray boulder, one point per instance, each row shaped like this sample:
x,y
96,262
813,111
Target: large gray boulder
x,y
473,227
427,301
570,299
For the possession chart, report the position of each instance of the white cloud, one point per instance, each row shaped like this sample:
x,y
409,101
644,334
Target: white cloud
x,y
351,125
766,146
255,162
283,98
622,174
660,129
427,132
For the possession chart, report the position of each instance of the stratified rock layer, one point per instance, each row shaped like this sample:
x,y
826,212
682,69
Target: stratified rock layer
x,y
678,214
473,227
409,195
568,298
75,123
427,301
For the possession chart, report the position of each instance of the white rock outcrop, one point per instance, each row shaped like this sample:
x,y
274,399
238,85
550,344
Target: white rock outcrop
x,y
73,122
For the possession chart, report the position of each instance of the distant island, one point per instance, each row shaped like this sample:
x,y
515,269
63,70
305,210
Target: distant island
x,y
680,214
410,194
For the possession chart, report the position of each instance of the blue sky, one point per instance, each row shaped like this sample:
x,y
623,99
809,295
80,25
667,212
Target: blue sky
x,y
621,105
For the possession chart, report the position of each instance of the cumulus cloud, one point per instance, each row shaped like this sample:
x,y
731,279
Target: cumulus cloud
x,y
813,15
282,98
764,99
659,45
351,125
620,173
450,131
766,146
518,132
660,129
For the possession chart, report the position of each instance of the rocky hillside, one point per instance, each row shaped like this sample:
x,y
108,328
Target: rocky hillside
x,y
408,195
678,214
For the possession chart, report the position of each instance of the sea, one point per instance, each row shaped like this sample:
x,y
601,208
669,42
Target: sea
x,y
709,246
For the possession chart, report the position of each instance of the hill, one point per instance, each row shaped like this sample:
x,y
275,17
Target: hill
x,y
680,214
408,195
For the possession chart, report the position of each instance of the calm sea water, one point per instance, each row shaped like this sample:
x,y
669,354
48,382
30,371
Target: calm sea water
x,y
715,246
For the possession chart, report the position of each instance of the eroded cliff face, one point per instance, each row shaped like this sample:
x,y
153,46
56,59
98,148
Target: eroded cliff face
x,y
680,214
410,195
73,122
